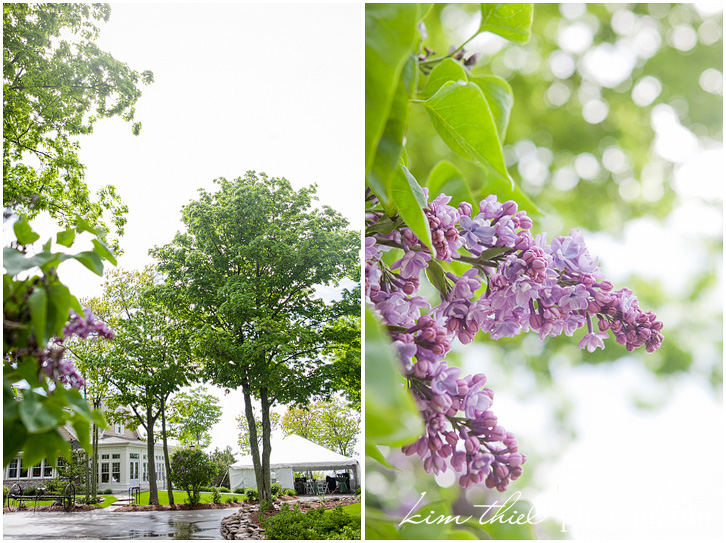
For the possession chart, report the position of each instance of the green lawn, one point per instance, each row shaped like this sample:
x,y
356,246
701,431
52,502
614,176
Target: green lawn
x,y
180,497
352,510
107,500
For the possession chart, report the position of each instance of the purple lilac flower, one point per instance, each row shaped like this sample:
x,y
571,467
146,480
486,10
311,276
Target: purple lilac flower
x,y
551,289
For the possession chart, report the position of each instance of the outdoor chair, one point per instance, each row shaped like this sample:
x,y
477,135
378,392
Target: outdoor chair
x,y
309,487
322,487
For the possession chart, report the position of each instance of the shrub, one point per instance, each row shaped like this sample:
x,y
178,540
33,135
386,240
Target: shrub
x,y
30,491
251,493
358,491
91,500
107,491
216,496
192,470
231,499
240,490
223,489
289,492
275,489
315,524
55,485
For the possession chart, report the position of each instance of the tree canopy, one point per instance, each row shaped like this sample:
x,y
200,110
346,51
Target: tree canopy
x,y
244,274
57,84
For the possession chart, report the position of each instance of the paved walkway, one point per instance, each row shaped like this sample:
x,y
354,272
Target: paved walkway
x,y
103,524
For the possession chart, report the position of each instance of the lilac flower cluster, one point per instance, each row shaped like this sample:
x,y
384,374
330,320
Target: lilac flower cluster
x,y
50,358
550,289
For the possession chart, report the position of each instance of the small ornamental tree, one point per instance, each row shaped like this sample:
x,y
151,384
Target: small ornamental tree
x,y
192,470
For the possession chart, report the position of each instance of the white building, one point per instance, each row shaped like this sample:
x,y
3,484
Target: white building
x,y
122,462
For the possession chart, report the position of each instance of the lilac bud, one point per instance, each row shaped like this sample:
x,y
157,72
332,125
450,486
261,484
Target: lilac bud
x,y
465,209
509,207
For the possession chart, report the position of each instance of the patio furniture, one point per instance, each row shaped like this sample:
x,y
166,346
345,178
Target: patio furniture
x,y
342,485
309,487
322,487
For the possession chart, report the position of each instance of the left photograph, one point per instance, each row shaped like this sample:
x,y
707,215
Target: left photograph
x,y
181,288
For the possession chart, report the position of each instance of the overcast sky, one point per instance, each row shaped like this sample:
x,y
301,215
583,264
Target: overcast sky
x,y
238,87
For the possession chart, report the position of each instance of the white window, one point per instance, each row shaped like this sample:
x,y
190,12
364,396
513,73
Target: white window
x,y
116,456
104,472
37,471
116,472
23,470
146,472
13,469
119,429
47,470
104,457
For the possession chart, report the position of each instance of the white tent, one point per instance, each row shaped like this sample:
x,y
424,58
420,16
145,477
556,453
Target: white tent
x,y
290,453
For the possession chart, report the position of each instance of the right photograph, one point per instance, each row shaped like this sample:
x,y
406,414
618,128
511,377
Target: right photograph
x,y
543,271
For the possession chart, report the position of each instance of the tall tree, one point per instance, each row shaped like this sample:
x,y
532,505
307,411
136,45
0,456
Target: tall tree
x,y
54,90
244,274
191,416
243,427
149,359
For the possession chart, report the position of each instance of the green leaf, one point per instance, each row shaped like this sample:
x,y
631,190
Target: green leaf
x,y
390,37
460,534
461,116
437,277
102,250
15,261
447,70
91,261
48,445
505,191
391,415
510,21
390,145
77,403
38,303
373,453
498,94
66,237
410,202
24,232
14,434
38,415
385,225
446,178
59,304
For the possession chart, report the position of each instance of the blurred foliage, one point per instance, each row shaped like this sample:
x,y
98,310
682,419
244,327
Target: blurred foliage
x,y
597,175
550,146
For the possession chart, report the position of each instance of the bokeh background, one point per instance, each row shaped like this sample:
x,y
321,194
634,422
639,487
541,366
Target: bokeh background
x,y
616,130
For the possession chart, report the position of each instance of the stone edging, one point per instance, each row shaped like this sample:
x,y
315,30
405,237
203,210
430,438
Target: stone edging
x,y
240,526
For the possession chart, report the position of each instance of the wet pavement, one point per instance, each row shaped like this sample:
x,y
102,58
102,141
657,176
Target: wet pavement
x,y
103,524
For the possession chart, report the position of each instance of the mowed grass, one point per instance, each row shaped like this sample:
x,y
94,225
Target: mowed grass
x,y
180,497
107,500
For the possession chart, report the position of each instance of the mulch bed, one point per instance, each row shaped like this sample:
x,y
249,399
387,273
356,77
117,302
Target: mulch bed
x,y
52,508
177,507
307,506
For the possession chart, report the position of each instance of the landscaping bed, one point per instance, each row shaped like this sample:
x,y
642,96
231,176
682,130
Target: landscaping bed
x,y
178,507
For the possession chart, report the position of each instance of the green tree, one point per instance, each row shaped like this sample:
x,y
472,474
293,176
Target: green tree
x,y
192,470
150,356
243,275
329,423
223,459
54,90
243,438
191,416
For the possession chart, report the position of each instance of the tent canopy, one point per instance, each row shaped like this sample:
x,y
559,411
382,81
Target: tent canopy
x,y
300,454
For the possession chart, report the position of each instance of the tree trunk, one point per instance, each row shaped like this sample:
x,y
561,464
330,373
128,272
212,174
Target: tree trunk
x,y
151,460
254,449
265,495
170,491
94,460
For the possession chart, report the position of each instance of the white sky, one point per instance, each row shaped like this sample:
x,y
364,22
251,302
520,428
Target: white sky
x,y
271,88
